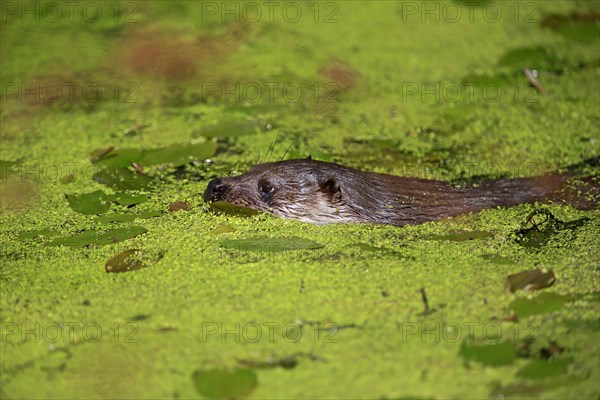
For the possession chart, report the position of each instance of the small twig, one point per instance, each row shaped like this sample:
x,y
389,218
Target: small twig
x,y
425,302
531,75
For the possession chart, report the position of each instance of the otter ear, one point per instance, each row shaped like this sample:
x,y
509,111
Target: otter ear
x,y
331,186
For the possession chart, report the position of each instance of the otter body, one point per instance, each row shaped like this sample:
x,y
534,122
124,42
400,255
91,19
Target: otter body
x,y
322,193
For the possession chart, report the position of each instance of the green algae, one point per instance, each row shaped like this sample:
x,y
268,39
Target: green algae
x,y
543,303
218,384
271,244
187,307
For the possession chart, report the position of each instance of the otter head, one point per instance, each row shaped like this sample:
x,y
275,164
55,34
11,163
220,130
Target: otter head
x,y
305,190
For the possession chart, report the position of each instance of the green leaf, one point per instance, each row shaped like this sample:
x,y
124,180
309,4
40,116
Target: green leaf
x,y
539,369
90,237
37,233
128,199
122,179
222,384
543,303
223,229
271,244
177,154
125,217
93,203
493,354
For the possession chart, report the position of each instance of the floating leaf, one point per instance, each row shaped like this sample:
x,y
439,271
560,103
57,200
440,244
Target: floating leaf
x,y
93,203
90,237
461,236
532,279
543,303
128,199
222,384
125,217
177,154
539,369
271,244
122,179
98,154
223,229
36,234
528,57
122,263
232,209
493,354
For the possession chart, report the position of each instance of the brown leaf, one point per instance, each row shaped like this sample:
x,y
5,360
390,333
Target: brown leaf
x,y
532,279
120,263
179,205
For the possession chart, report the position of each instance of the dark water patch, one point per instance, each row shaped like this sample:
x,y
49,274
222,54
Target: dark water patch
x,y
8,168
528,280
581,26
541,304
541,225
238,383
95,237
265,244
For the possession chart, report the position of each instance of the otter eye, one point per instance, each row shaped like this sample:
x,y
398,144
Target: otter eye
x,y
266,189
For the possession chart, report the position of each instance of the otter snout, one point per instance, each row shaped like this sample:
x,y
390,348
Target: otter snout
x,y
215,190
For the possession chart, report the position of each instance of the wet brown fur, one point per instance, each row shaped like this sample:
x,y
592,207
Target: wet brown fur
x,y
320,192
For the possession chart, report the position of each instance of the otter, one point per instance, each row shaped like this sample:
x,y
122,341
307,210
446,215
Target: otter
x,y
321,192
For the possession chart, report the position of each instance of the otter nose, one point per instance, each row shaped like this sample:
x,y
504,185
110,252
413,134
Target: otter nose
x,y
215,190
